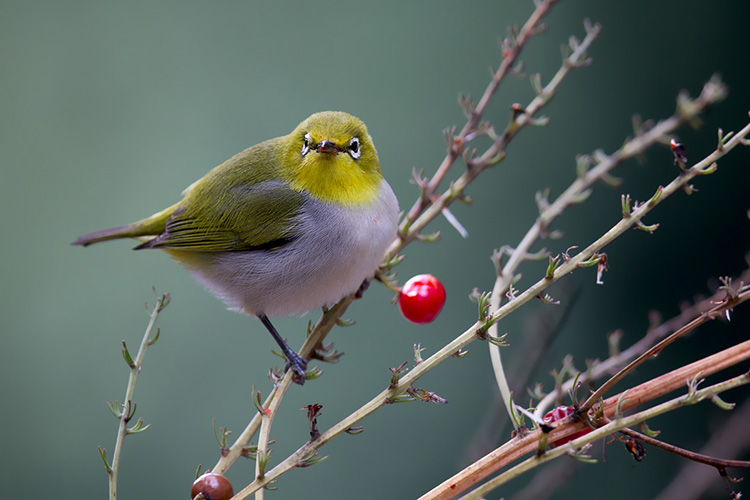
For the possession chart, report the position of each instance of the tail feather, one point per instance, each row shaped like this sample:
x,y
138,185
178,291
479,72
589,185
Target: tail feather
x,y
150,226
113,233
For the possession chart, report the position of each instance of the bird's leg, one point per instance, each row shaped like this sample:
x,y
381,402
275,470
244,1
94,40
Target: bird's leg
x,y
293,360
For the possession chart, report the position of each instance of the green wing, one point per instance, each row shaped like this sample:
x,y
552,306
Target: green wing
x,y
247,216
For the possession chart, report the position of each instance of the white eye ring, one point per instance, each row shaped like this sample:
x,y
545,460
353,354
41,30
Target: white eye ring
x,y
306,144
354,150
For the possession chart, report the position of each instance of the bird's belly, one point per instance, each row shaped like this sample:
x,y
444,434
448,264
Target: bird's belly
x,y
287,281
337,250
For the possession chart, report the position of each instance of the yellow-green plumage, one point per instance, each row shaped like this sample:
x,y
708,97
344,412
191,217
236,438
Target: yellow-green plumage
x,y
285,226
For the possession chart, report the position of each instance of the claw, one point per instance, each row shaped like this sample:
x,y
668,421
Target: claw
x,y
298,364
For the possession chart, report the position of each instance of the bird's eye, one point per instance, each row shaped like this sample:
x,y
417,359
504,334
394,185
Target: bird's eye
x,y
306,144
354,150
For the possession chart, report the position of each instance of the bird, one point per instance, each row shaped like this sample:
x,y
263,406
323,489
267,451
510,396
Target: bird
x,y
286,226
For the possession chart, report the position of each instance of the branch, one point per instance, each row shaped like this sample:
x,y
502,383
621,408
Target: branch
x,y
273,401
527,443
429,206
617,360
719,310
713,91
512,47
687,111
610,428
127,412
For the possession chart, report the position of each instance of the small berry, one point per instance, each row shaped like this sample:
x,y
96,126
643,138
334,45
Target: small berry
x,y
560,413
213,486
422,298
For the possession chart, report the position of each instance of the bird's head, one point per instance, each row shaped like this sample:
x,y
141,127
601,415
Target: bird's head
x,y
331,156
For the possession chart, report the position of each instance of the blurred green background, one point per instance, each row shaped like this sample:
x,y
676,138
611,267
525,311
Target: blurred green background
x,y
109,109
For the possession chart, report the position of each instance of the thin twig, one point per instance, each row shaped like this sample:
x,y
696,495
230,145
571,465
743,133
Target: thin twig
x,y
713,91
572,61
128,407
719,310
607,366
430,206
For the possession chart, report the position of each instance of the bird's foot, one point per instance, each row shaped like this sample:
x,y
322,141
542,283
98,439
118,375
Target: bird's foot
x,y
298,365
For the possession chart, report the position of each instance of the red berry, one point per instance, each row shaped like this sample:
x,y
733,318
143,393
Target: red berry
x,y
213,486
560,413
422,298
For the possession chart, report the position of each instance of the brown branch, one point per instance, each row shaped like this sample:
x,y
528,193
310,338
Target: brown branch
x,y
693,396
523,445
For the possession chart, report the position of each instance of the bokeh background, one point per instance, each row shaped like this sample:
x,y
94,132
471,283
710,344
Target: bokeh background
x,y
109,109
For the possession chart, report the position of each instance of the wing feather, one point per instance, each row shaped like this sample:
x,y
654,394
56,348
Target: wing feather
x,y
250,216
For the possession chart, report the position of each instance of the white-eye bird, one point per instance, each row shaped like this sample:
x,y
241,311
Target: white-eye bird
x,y
286,226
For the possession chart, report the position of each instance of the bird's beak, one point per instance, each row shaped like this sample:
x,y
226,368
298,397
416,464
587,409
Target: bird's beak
x,y
327,146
